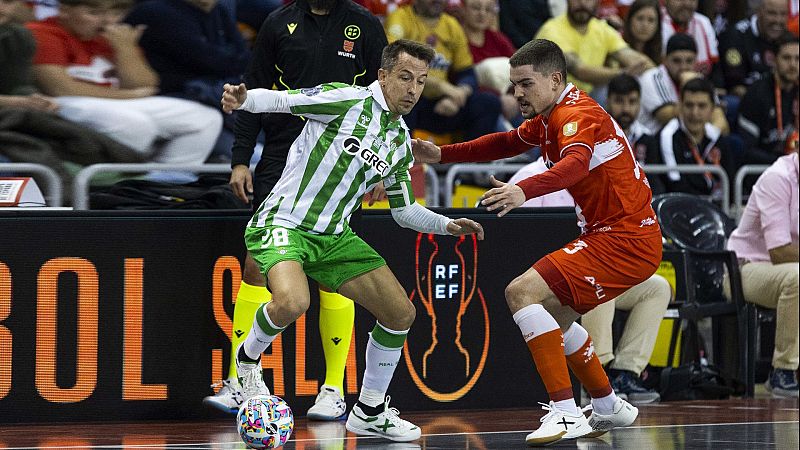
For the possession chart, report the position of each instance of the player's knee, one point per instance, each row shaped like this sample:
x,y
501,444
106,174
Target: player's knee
x,y
518,294
400,317
662,289
289,306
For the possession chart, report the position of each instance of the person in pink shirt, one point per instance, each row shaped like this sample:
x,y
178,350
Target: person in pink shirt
x,y
766,243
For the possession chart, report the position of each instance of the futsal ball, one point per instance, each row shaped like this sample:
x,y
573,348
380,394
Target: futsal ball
x,y
265,421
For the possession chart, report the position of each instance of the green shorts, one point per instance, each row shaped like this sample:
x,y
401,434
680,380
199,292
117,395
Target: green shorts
x,y
330,259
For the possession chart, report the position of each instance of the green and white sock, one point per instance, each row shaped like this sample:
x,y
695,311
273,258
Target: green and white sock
x,y
383,354
263,332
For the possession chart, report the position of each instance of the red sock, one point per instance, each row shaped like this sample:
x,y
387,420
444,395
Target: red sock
x,y
587,368
548,353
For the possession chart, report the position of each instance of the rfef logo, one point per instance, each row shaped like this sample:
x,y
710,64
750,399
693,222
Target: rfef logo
x,y
449,302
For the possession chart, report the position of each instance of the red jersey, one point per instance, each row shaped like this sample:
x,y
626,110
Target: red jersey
x,y
90,61
610,189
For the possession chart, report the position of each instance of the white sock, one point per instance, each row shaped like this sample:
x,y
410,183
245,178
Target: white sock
x,y
259,340
568,406
371,398
574,338
605,405
381,362
534,320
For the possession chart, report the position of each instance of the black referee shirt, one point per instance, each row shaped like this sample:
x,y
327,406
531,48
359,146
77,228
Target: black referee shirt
x,y
298,49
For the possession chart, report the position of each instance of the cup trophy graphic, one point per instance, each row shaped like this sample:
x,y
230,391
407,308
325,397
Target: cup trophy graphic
x,y
451,305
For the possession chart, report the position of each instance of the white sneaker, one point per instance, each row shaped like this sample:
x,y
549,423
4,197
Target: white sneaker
x,y
387,424
251,378
228,398
557,425
624,415
329,405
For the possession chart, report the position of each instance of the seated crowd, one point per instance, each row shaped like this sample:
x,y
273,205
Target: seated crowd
x,y
709,86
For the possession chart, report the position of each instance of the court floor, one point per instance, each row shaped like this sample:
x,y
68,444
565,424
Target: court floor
x,y
728,424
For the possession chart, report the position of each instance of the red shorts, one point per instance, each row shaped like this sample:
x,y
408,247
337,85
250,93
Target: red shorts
x,y
598,267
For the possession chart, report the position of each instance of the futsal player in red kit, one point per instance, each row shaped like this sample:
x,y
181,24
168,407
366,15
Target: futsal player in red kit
x,y
620,245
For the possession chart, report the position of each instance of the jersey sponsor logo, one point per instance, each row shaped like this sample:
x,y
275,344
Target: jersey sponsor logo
x,y
352,32
310,92
598,289
346,54
570,129
352,146
348,45
647,222
291,27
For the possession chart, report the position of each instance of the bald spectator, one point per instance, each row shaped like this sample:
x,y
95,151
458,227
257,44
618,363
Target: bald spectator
x,y
748,49
589,44
682,17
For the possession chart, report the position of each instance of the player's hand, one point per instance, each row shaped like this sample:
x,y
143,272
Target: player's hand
x,y
503,197
233,96
241,182
460,227
425,151
446,107
378,193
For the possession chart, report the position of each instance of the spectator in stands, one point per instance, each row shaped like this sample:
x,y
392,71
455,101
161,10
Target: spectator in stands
x,y
17,47
660,85
768,116
193,45
445,107
521,20
624,98
748,49
682,17
766,243
690,138
195,48
92,64
490,52
647,303
642,30
589,44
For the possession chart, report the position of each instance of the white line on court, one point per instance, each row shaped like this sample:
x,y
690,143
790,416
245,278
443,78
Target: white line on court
x,y
212,445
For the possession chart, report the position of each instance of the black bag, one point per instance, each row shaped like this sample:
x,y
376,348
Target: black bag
x,y
208,192
693,381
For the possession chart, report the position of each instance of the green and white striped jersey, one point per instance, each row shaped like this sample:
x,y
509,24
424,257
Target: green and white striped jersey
x,y
348,145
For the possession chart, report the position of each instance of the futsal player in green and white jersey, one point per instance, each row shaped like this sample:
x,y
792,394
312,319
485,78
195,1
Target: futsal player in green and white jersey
x,y
354,138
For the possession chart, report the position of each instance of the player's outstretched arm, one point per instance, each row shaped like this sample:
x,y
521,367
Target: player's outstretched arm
x,y
503,197
419,218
